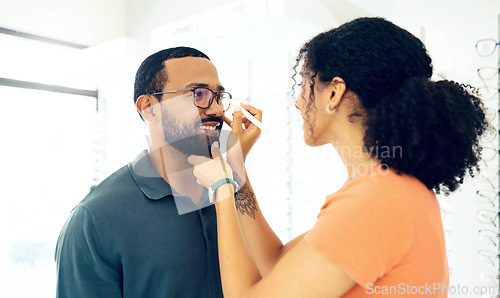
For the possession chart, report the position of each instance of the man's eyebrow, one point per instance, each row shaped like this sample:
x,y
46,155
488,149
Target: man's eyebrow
x,y
203,85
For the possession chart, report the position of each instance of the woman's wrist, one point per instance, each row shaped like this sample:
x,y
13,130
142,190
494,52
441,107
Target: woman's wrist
x,y
220,183
224,191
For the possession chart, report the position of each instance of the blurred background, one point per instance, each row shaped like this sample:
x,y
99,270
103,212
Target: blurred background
x,y
66,87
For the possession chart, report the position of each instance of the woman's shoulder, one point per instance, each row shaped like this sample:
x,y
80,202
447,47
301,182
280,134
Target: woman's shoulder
x,y
380,186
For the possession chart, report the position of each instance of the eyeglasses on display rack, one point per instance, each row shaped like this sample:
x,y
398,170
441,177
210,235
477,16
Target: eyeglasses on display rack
x,y
487,73
488,138
447,233
489,177
487,92
488,217
489,236
489,154
444,213
488,196
489,174
486,47
491,114
488,257
489,276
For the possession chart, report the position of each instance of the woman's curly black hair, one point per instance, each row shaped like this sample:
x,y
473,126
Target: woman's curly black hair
x,y
436,125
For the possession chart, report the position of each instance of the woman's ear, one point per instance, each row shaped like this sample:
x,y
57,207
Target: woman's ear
x,y
338,89
145,106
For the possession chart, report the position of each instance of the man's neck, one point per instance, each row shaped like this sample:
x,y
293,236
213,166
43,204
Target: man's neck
x,y
173,167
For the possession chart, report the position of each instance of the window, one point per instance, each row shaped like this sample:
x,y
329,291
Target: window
x,y
47,161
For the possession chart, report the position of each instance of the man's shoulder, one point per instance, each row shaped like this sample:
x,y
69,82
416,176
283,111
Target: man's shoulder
x,y
116,188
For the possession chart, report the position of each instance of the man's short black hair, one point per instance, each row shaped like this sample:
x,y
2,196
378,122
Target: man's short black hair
x,y
150,77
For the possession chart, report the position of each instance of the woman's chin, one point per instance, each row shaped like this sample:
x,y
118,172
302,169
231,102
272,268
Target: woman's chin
x,y
314,142
310,136
310,141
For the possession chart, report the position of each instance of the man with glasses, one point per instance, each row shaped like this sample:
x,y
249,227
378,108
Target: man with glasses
x,y
148,230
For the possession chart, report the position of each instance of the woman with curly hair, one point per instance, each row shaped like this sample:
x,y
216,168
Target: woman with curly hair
x,y
366,89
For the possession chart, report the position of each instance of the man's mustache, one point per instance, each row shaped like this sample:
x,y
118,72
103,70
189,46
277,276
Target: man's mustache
x,y
213,119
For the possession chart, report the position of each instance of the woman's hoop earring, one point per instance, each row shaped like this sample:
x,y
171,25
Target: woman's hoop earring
x,y
328,111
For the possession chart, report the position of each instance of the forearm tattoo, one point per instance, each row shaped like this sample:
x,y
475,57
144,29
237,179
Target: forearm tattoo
x,y
245,201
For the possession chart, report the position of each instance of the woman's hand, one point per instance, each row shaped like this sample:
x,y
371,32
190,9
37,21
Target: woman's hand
x,y
243,130
208,171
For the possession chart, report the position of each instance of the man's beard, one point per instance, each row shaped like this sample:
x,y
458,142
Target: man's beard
x,y
189,139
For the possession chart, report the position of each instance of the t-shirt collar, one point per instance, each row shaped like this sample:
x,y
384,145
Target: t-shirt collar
x,y
148,179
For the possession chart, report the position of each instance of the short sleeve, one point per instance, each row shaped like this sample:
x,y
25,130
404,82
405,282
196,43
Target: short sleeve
x,y
83,267
364,228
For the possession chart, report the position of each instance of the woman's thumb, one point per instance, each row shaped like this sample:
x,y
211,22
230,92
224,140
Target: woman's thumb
x,y
215,150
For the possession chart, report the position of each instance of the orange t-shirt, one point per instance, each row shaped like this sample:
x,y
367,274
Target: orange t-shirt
x,y
385,231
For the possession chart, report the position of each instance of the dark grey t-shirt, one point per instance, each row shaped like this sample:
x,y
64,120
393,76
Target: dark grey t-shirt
x,y
127,239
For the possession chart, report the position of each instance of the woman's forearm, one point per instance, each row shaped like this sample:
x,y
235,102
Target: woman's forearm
x,y
261,241
238,270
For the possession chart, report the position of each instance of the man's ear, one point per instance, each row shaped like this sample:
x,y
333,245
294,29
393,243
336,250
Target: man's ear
x,y
145,105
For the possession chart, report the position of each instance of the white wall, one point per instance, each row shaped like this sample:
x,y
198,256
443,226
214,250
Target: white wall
x,y
144,15
87,22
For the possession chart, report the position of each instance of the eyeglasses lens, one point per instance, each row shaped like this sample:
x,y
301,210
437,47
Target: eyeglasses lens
x,y
224,101
202,97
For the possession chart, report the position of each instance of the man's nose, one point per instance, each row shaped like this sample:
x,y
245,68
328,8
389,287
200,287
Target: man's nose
x,y
214,109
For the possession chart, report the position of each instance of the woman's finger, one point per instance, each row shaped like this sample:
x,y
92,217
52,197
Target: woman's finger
x,y
228,121
247,123
255,112
237,119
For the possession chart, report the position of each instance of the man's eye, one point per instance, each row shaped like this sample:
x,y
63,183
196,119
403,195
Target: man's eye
x,y
200,93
